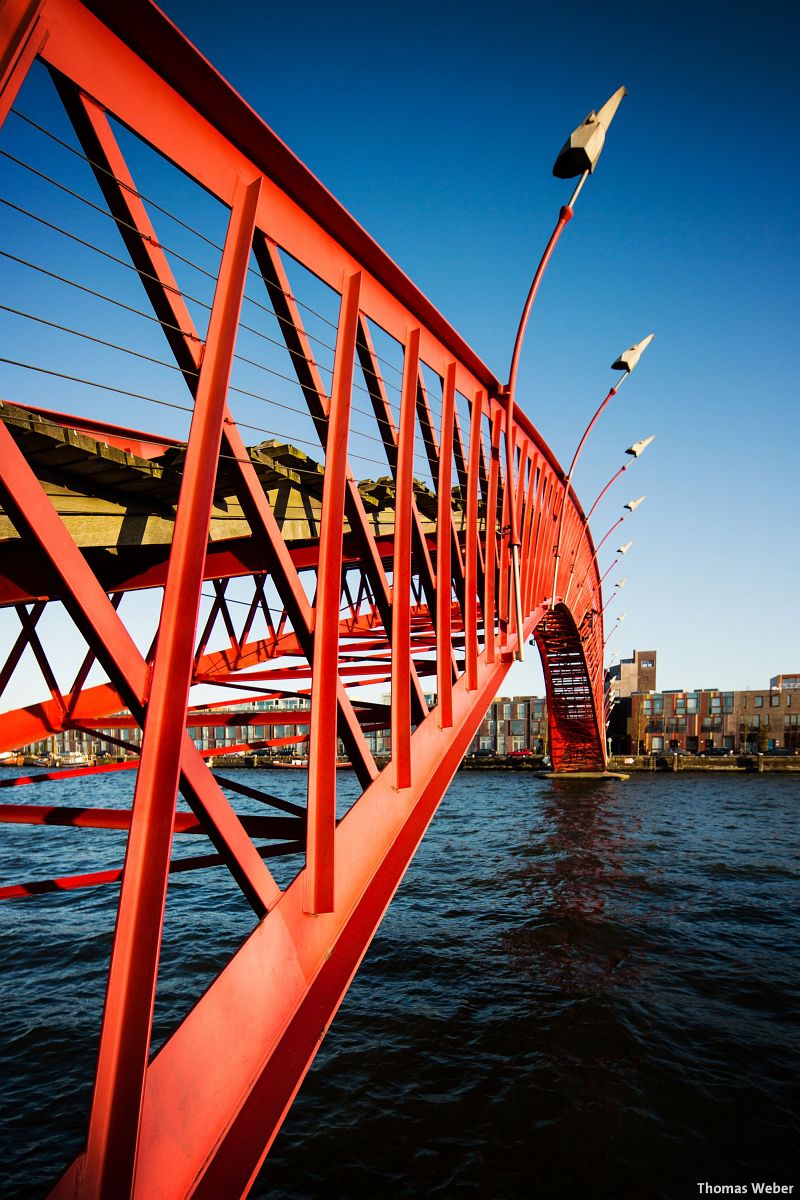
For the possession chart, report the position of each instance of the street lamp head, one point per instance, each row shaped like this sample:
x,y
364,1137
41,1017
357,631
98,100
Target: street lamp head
x,y
621,582
632,504
582,149
621,618
630,357
639,447
624,549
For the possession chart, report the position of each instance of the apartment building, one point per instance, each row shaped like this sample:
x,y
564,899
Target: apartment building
x,y
743,722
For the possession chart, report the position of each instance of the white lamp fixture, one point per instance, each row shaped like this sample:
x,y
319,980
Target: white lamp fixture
x,y
632,504
639,447
580,152
630,357
624,549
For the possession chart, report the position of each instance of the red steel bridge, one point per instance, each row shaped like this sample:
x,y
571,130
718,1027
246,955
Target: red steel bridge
x,y
327,507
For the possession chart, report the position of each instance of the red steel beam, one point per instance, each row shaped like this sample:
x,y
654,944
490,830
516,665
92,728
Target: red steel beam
x,y
444,576
125,1034
401,572
325,672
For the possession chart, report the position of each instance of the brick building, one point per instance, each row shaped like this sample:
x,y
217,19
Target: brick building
x,y
629,675
512,723
743,722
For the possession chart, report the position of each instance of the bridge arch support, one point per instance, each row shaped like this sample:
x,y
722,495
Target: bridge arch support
x,y
574,696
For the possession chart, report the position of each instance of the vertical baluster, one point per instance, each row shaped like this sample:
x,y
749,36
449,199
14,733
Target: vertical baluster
x,y
471,554
319,892
401,577
490,557
444,588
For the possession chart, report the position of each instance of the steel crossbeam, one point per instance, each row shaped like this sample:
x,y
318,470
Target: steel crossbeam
x,y
395,584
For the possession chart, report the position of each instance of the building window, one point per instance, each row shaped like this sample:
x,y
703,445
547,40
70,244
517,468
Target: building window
x,y
759,701
647,705
647,664
521,710
691,704
788,701
716,704
658,704
680,704
507,712
756,721
774,699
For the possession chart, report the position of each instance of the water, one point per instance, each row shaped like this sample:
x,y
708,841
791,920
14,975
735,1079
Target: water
x,y
581,990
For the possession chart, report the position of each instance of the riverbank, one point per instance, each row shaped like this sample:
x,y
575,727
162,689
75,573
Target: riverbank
x,y
744,764
741,764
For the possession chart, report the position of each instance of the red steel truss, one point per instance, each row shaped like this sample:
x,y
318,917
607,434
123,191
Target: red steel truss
x,y
423,595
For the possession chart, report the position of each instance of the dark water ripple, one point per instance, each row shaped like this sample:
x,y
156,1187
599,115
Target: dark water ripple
x,y
581,991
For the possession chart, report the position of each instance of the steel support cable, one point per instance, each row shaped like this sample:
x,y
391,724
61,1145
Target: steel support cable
x,y
174,367
105,253
18,312
128,266
191,229
121,182
147,199
106,387
104,212
100,295
178,220
160,362
185,295
163,403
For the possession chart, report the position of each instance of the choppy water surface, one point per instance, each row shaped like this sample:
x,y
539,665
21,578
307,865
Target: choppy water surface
x,y
581,990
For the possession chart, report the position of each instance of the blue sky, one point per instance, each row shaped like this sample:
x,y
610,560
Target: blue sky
x,y
436,125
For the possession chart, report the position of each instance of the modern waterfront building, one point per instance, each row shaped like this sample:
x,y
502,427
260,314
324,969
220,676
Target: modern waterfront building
x,y
646,721
636,674
512,723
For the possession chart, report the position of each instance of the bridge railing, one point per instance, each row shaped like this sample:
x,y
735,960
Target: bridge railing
x,y
332,470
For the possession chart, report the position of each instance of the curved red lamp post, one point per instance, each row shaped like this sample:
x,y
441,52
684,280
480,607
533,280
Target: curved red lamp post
x,y
617,623
625,363
635,450
630,506
618,586
620,550
578,157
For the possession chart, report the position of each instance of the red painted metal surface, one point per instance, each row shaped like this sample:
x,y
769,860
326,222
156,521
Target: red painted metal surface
x,y
396,592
